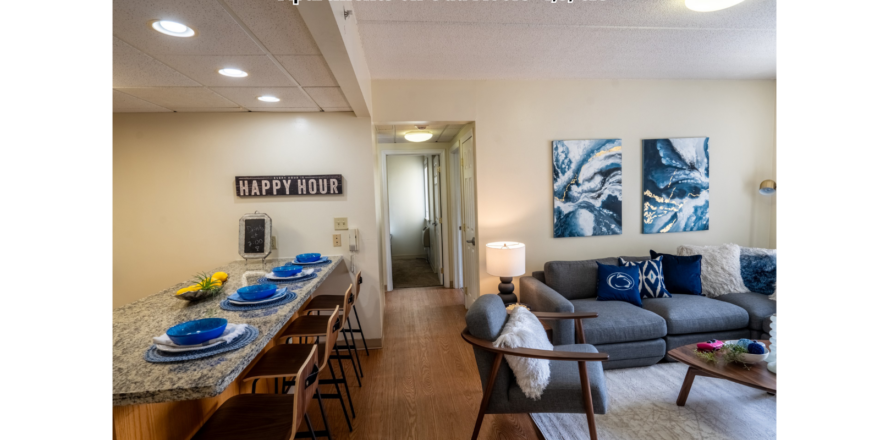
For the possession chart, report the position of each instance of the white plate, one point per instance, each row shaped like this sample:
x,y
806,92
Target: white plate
x,y
183,348
304,273
281,292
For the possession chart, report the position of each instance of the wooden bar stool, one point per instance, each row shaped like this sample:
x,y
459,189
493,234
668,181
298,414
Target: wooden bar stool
x,y
267,416
328,302
313,326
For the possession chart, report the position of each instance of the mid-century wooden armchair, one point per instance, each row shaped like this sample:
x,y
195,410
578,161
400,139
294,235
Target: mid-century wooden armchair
x,y
570,389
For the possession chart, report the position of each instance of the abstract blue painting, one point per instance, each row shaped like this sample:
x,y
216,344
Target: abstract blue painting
x,y
587,187
675,180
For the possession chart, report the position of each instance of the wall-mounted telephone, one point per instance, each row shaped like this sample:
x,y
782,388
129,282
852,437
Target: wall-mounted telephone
x,y
353,240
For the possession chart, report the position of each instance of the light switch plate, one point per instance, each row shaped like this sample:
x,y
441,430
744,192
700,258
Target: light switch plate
x,y
274,243
337,240
340,223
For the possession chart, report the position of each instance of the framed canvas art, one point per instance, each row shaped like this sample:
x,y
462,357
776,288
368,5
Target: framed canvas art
x,y
675,185
587,187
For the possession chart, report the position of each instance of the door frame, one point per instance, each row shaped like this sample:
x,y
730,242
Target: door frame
x,y
386,220
455,216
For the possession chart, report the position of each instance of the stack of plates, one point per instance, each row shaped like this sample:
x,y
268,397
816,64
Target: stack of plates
x,y
321,260
304,274
235,298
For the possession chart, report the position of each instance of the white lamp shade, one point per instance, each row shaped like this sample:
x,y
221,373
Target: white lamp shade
x,y
506,259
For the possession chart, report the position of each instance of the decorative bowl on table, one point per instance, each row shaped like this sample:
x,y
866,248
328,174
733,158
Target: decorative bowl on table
x,y
257,291
287,271
749,358
308,258
193,295
197,332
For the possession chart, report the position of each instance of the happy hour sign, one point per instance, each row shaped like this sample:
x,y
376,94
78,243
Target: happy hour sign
x,y
250,186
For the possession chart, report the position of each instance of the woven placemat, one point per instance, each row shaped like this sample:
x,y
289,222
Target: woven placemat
x,y
155,355
286,298
265,280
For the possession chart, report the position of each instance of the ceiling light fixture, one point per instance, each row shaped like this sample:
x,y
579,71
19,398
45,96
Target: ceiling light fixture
x,y
710,5
235,73
268,99
173,28
420,135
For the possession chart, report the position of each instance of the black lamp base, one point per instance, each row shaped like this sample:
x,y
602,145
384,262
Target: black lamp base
x,y
505,291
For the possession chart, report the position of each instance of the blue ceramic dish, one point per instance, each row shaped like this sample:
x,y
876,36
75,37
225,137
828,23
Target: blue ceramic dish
x,y
257,291
287,271
198,331
308,258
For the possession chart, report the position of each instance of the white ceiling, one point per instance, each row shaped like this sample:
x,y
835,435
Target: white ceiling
x,y
153,72
442,131
584,39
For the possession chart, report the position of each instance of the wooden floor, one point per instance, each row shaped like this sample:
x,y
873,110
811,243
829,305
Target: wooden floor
x,y
424,383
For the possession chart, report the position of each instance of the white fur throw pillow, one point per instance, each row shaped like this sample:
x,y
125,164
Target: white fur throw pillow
x,y
720,270
523,330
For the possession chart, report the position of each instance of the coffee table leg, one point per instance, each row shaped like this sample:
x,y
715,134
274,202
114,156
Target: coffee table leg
x,y
686,386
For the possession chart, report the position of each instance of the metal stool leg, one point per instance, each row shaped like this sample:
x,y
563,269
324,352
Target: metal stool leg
x,y
323,416
360,329
345,382
309,424
356,356
339,393
357,375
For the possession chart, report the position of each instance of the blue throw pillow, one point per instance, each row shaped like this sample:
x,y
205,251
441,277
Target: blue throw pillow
x,y
681,274
650,277
618,284
758,269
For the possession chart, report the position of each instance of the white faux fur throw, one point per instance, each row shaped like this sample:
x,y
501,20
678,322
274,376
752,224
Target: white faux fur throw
x,y
720,270
523,330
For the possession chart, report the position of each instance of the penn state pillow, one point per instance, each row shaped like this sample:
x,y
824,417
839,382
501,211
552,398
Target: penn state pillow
x,y
616,283
681,274
651,283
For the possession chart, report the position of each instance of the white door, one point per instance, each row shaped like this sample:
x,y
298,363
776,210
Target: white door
x,y
436,220
469,226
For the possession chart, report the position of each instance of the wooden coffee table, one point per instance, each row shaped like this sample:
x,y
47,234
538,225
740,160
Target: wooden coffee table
x,y
756,376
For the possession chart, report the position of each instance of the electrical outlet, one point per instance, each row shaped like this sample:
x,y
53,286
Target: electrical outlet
x,y
337,240
274,244
340,223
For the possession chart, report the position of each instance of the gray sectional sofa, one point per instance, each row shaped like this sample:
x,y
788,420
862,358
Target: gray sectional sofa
x,y
633,336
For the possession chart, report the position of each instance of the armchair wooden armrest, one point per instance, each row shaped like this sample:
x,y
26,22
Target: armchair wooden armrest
x,y
533,353
565,315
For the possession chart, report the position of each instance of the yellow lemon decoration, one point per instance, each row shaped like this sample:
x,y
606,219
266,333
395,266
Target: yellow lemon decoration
x,y
187,289
220,276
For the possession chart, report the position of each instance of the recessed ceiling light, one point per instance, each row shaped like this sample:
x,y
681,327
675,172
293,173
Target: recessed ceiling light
x,y
710,5
235,73
420,135
268,99
173,28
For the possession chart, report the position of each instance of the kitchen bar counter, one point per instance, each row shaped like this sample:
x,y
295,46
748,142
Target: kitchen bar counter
x,y
138,382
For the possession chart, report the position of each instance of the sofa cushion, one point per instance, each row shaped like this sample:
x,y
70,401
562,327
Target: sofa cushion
x,y
696,314
758,306
618,321
758,269
632,354
766,325
574,279
619,284
681,274
720,271
563,393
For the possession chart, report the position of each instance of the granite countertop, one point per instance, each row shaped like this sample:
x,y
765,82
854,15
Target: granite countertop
x,y
136,381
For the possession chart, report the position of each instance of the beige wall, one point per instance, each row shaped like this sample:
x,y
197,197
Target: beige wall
x,y
175,212
515,122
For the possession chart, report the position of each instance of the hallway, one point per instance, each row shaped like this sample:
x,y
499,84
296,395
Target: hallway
x,y
423,385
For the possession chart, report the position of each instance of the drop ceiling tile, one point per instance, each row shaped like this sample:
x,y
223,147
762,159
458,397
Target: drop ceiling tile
x,y
216,32
180,97
327,96
308,70
203,68
278,25
291,97
133,68
127,103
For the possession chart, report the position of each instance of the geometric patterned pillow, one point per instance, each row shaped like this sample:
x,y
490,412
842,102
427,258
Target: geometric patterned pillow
x,y
651,283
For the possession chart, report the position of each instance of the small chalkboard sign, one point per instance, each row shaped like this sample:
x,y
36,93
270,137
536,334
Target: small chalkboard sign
x,y
254,236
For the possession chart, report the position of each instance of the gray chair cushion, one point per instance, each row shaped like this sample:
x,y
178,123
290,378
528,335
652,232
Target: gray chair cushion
x,y
759,307
485,319
618,321
574,279
686,314
563,393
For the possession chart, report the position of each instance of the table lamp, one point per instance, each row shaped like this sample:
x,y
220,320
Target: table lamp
x,y
506,260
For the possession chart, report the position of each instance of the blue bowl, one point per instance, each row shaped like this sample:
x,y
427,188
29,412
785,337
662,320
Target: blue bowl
x,y
287,271
198,331
257,291
308,258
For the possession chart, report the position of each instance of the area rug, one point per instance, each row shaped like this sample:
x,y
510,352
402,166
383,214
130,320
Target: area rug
x,y
413,272
642,406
